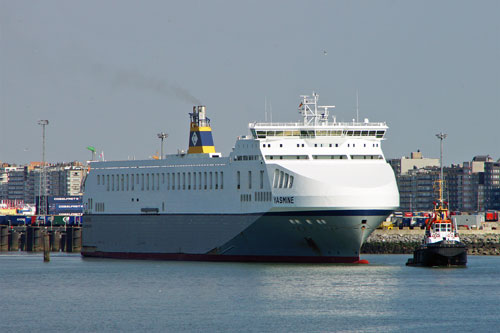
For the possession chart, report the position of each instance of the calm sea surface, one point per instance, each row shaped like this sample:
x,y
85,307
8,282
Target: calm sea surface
x,y
75,294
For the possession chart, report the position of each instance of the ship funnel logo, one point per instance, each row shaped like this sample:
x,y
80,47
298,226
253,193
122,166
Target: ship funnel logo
x,y
194,138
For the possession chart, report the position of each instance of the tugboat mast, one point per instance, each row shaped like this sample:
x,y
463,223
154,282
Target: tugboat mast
x,y
441,136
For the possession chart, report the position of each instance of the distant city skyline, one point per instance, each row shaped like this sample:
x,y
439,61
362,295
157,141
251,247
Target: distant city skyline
x,y
114,74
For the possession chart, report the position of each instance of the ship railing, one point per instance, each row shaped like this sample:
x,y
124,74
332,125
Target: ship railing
x,y
320,125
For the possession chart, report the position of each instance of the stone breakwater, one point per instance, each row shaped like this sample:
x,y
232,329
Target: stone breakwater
x,y
479,242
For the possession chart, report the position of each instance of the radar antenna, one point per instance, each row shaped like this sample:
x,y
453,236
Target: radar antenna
x,y
309,110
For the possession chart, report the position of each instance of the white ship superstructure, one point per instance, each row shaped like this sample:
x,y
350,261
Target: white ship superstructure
x,y
310,191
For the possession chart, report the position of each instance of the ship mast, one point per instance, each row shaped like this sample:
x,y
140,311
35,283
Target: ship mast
x,y
441,136
309,110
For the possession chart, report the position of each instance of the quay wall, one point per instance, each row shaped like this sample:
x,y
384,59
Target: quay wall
x,y
404,241
30,238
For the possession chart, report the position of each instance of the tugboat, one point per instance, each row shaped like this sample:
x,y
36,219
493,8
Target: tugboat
x,y
441,245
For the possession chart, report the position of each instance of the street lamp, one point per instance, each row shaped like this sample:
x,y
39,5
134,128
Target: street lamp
x,y
42,203
162,136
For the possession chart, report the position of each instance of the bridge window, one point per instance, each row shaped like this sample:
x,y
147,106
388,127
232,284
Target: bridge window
x,y
287,157
330,157
366,157
281,179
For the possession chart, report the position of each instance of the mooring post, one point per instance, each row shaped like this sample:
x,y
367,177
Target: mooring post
x,y
46,247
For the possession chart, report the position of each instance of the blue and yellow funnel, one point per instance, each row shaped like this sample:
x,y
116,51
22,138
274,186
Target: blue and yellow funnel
x,y
200,132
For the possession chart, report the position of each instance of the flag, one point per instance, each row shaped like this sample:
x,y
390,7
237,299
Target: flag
x,y
92,149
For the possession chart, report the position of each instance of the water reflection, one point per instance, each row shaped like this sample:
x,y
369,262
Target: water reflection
x,y
116,295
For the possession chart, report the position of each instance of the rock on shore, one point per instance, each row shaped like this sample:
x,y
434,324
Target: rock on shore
x,y
405,241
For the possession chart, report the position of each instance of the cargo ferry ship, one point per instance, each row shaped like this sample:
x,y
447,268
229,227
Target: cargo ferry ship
x,y
308,191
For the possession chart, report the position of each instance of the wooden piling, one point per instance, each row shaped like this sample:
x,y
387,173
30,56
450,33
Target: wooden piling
x,y
4,237
22,241
33,239
14,238
46,247
55,241
73,239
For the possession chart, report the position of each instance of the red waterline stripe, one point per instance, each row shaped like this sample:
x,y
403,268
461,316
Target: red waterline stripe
x,y
227,258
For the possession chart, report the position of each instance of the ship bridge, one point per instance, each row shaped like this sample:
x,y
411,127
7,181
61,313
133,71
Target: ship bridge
x,y
316,123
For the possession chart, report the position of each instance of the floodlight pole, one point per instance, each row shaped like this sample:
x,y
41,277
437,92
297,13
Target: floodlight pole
x,y
162,136
42,200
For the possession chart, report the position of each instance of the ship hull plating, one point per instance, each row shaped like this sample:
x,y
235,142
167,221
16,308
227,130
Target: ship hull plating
x,y
440,254
296,236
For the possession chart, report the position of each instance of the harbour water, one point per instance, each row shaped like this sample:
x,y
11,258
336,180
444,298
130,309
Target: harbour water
x,y
87,295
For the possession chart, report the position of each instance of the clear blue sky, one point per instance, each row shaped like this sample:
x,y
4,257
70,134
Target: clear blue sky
x,y
113,74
